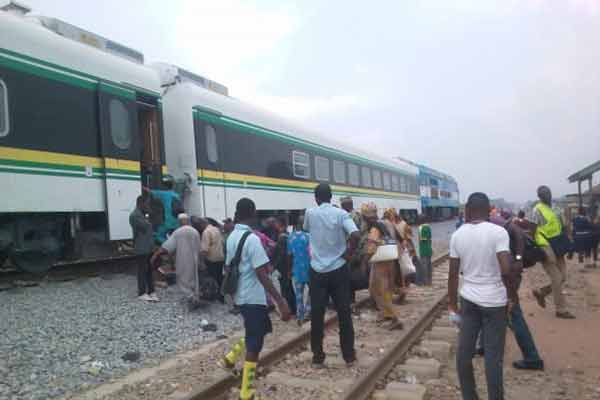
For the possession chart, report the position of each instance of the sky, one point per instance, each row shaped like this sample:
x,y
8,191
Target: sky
x,y
503,95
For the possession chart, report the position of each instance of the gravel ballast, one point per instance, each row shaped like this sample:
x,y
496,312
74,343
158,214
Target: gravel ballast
x,y
59,338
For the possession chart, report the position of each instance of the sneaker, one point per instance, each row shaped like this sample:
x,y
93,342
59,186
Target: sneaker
x,y
154,297
541,300
318,365
530,365
565,315
227,366
145,297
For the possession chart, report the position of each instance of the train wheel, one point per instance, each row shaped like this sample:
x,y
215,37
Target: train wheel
x,y
37,245
34,261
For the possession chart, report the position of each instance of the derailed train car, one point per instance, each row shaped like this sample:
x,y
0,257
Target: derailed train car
x,y
81,131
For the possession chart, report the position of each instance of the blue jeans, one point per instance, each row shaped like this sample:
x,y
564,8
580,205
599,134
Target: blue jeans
x,y
522,332
491,321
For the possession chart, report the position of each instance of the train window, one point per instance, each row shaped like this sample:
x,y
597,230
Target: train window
x,y
339,171
403,187
3,109
395,183
120,124
321,168
212,152
301,164
366,177
377,179
387,181
353,175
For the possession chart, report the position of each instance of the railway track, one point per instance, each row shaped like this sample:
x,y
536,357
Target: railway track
x,y
67,271
286,372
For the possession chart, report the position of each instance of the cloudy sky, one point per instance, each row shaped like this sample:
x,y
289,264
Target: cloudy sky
x,y
504,95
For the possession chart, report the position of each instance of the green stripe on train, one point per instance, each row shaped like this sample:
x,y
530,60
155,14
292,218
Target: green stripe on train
x,y
66,75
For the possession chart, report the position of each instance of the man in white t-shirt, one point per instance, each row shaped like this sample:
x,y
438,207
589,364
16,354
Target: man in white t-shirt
x,y
480,251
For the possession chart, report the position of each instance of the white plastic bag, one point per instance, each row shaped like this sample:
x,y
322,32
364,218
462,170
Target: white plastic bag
x,y
406,265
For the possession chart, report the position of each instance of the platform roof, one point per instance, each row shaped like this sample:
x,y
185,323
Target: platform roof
x,y
585,173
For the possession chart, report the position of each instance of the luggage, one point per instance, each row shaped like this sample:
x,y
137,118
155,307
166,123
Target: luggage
x,y
232,271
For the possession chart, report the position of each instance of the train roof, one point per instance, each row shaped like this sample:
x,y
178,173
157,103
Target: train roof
x,y
430,171
236,109
35,41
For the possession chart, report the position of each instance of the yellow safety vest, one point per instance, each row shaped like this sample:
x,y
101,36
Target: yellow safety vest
x,y
550,229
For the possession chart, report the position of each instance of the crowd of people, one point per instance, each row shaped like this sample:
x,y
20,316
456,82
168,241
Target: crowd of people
x,y
329,253
488,254
333,251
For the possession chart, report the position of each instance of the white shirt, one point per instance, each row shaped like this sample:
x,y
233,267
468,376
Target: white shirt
x,y
477,246
250,290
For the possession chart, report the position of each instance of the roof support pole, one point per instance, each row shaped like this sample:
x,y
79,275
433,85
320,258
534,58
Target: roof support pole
x,y
579,194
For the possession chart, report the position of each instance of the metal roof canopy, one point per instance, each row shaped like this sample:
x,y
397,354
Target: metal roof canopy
x,y
585,173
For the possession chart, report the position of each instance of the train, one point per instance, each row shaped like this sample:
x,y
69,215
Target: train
x,y
86,124
439,194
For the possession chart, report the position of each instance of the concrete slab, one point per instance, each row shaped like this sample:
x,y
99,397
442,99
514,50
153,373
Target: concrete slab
x,y
440,350
445,334
364,361
422,369
405,391
309,384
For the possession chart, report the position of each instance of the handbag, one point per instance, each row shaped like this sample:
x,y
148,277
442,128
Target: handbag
x,y
231,275
561,244
406,265
388,251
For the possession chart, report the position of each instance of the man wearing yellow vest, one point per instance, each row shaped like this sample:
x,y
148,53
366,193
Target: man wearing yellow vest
x,y
546,225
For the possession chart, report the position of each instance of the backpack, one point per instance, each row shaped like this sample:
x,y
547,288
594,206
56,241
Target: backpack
x,y
232,270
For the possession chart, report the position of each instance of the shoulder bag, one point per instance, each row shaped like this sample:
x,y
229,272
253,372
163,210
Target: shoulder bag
x,y
561,244
232,270
388,250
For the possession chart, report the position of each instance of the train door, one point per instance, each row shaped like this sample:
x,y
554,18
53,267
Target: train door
x,y
209,151
120,153
151,155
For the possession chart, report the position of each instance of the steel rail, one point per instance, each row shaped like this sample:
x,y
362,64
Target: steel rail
x,y
218,388
363,387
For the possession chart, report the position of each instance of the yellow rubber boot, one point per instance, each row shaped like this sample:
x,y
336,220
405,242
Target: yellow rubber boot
x,y
235,352
247,392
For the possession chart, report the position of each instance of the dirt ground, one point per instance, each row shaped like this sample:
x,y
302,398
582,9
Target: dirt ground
x,y
570,348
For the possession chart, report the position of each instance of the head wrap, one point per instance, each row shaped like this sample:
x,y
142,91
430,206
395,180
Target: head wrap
x,y
390,214
368,210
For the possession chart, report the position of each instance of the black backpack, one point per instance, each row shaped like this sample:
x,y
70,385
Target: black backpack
x,y
232,270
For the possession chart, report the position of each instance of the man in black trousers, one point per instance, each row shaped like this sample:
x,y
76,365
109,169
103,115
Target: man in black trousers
x,y
143,244
333,239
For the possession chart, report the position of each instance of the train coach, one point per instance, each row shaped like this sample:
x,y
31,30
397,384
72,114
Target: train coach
x,y
439,194
80,128
228,150
85,124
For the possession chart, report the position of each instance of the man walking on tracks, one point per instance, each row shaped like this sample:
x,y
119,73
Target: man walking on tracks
x,y
480,250
250,295
329,228
547,226
143,244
